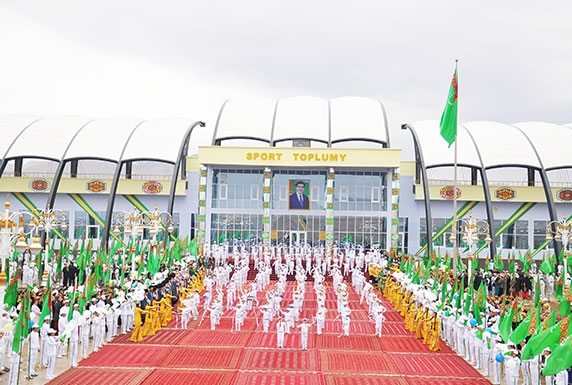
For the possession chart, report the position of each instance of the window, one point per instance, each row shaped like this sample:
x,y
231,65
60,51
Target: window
x,y
223,191
236,189
86,227
254,191
375,194
360,191
539,233
403,235
515,236
315,193
283,193
236,227
344,193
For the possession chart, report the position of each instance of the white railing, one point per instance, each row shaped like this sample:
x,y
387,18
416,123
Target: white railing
x,y
90,176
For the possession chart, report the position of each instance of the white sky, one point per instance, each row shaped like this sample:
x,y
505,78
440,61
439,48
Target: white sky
x,y
185,57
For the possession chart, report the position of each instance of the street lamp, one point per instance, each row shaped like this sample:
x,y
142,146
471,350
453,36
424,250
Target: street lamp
x,y
560,231
12,227
471,230
136,222
48,220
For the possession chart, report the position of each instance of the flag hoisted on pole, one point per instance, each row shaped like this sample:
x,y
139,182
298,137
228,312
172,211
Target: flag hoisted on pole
x,y
448,127
448,123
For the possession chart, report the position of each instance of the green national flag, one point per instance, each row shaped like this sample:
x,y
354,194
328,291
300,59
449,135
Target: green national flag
x,y
521,332
11,295
564,307
498,262
538,342
560,359
546,267
193,247
21,329
537,290
448,122
505,324
46,304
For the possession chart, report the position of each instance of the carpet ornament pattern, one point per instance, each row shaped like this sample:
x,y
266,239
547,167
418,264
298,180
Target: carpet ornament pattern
x,y
199,355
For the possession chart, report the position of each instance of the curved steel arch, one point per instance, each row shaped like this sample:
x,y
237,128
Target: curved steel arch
x,y
272,142
60,170
487,194
4,159
388,144
547,191
215,141
329,123
180,159
420,165
113,189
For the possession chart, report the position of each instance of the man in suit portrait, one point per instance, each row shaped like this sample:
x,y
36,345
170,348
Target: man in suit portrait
x,y
299,200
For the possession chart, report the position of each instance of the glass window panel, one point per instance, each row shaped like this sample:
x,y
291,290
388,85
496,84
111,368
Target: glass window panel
x,y
254,190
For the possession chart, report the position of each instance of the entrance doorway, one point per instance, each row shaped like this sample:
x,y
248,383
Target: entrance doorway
x,y
297,238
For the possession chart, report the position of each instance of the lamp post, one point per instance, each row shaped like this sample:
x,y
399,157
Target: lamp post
x,y
12,226
134,224
471,230
560,231
48,220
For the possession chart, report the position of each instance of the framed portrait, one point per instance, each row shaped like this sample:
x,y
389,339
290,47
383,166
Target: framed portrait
x,y
299,194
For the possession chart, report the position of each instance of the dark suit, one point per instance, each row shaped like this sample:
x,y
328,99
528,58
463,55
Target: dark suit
x,y
296,204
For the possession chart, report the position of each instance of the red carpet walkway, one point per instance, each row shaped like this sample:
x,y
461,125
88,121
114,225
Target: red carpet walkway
x,y
201,356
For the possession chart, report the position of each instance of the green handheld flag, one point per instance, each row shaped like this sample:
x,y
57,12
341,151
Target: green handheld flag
x,y
560,359
540,341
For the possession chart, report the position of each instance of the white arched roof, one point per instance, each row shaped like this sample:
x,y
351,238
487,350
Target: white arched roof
x,y
11,126
110,139
102,139
339,120
502,145
436,151
47,138
551,142
536,145
358,118
246,118
302,117
157,139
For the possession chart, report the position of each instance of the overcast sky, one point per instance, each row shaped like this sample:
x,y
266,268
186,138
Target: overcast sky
x,y
184,58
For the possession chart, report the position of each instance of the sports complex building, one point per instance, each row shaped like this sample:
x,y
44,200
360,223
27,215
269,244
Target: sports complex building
x,y
232,179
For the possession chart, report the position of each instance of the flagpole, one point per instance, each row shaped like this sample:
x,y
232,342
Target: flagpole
x,y
455,246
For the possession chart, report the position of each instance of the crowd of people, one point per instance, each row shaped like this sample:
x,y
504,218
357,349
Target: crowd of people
x,y
475,332
142,306
75,328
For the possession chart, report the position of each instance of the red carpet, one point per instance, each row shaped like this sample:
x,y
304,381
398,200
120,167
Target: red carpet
x,y
251,378
219,338
280,359
434,365
355,362
446,381
127,356
364,380
351,342
185,357
184,377
199,355
87,376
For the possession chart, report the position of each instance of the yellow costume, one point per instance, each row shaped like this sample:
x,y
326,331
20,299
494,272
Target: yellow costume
x,y
138,333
